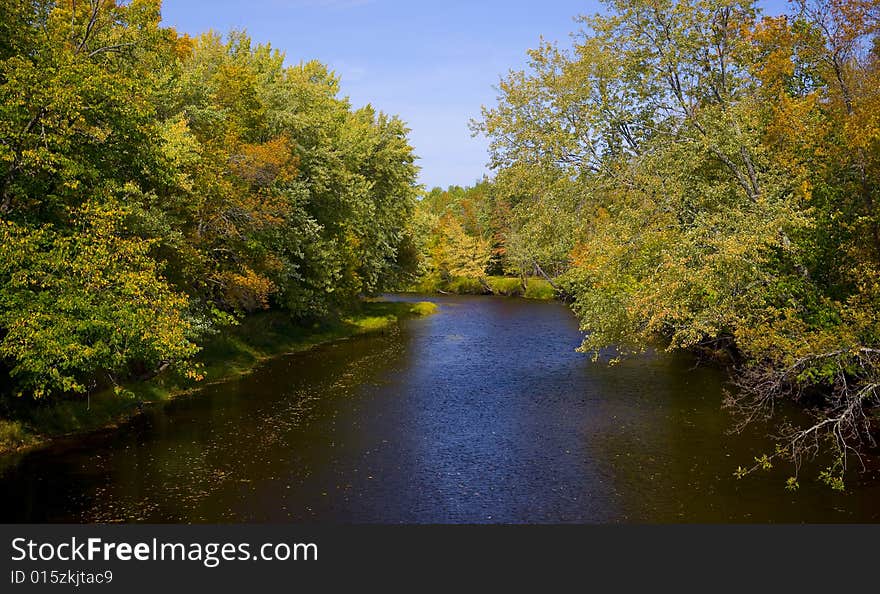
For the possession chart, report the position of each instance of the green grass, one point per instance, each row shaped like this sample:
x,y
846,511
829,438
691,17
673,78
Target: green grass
x,y
539,289
464,285
233,352
424,308
509,286
14,434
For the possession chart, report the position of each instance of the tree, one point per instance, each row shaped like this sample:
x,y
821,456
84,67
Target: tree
x,y
712,173
154,186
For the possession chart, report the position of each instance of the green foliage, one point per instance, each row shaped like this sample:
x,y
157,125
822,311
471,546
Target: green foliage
x,y
75,306
13,435
229,354
490,285
467,244
508,286
833,476
154,188
465,285
703,175
539,289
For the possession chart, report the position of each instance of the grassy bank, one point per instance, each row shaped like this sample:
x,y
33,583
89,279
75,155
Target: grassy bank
x,y
534,288
234,352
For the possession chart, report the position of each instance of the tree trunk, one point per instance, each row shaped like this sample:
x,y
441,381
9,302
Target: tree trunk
x,y
540,271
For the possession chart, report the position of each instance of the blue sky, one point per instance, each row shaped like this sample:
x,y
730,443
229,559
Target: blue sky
x,y
433,63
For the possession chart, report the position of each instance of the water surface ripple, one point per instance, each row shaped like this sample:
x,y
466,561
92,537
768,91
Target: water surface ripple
x,y
483,412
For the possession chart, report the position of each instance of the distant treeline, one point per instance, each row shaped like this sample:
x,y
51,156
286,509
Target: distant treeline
x,y
154,187
694,171
467,241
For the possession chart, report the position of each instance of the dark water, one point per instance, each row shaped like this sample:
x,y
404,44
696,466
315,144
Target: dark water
x,y
480,413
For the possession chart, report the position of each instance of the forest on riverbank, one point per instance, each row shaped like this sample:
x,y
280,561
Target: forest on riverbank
x,y
467,245
701,173
711,176
156,188
687,170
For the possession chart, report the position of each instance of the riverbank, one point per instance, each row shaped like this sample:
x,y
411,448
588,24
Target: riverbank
x,y
507,286
484,414
234,352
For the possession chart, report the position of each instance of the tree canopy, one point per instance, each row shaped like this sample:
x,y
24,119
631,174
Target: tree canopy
x,y
709,176
154,186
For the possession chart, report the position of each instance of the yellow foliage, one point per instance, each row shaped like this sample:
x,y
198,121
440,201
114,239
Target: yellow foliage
x,y
247,290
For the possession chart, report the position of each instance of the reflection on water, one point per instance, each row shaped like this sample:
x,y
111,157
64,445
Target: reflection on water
x,y
480,413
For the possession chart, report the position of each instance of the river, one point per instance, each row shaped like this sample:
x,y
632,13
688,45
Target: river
x,y
480,413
